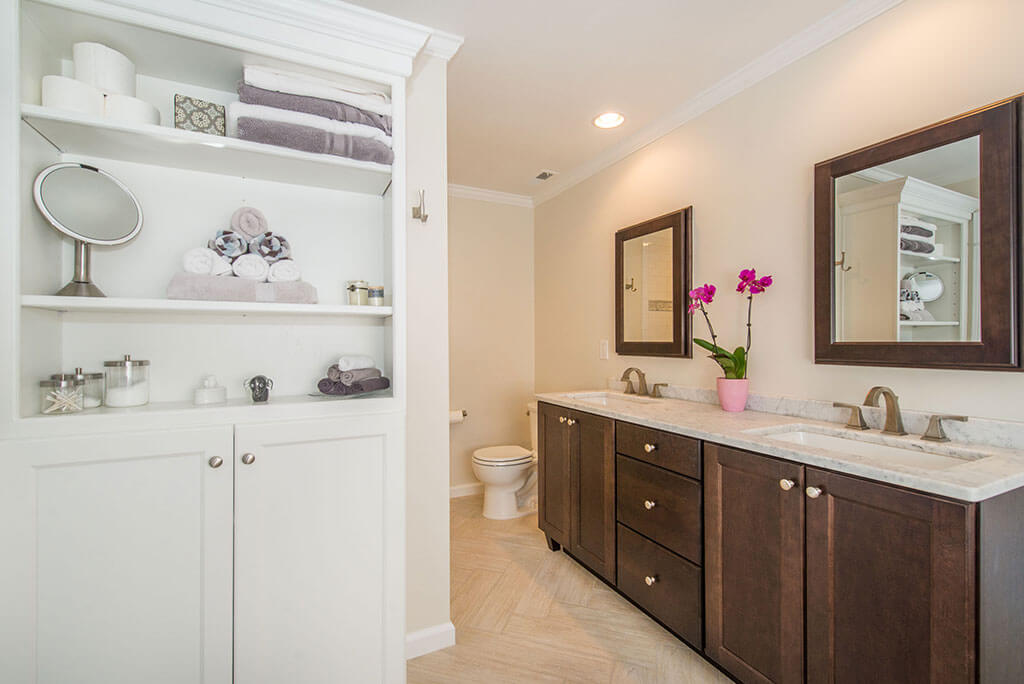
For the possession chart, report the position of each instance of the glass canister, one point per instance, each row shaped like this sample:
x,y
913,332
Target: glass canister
x,y
61,394
357,292
127,382
92,386
375,295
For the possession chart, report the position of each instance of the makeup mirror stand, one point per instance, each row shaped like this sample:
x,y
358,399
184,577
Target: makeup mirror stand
x,y
81,284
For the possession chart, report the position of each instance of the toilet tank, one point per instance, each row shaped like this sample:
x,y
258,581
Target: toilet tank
x,y
531,410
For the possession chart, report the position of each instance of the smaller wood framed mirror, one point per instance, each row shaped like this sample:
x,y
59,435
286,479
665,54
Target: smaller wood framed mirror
x,y
652,277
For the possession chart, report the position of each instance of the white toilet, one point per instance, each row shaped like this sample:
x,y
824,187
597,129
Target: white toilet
x,y
509,475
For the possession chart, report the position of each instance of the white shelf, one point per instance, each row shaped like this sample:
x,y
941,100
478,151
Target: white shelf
x,y
929,324
930,257
80,134
130,305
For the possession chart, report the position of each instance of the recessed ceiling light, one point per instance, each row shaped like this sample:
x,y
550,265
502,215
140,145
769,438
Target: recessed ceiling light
x,y
609,120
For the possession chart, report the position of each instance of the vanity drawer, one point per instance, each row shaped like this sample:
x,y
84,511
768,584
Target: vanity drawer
x,y
674,452
674,593
661,505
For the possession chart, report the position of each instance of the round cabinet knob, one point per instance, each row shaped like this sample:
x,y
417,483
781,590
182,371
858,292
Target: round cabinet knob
x,y
786,484
650,580
570,422
561,419
650,447
648,504
248,459
814,492
216,462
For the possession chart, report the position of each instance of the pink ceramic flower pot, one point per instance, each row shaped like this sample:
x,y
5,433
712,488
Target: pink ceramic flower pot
x,y
732,394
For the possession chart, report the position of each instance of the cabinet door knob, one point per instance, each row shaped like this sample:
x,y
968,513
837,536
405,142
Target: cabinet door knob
x,y
216,462
814,492
561,419
650,447
248,459
786,484
570,422
648,504
650,580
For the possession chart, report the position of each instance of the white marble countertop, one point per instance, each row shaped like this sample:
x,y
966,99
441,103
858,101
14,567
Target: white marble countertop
x,y
974,473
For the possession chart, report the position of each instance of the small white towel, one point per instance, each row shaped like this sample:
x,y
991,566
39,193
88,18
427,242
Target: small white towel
x,y
303,84
283,271
205,261
354,362
237,110
251,267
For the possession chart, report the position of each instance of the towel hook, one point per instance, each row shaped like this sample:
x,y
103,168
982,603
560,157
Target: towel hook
x,y
842,264
630,286
420,212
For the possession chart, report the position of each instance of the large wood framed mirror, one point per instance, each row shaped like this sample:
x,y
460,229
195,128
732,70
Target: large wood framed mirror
x,y
652,277
917,247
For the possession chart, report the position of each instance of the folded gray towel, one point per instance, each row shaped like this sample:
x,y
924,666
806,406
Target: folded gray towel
x,y
917,230
353,376
314,140
340,389
329,109
916,246
374,384
231,289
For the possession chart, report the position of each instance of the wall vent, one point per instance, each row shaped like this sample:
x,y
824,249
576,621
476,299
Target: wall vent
x,y
545,174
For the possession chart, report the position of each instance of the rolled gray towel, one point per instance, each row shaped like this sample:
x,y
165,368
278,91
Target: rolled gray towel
x,y
335,389
249,222
916,246
333,374
374,384
316,140
353,376
917,230
329,109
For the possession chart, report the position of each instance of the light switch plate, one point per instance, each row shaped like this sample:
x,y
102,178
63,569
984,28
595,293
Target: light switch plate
x,y
603,352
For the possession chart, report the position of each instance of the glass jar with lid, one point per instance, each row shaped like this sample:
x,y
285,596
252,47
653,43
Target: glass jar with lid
x,y
92,386
357,292
127,382
61,394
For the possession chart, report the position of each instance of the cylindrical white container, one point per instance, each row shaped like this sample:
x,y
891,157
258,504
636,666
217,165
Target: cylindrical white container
x,y
357,292
61,394
127,382
375,295
130,110
92,386
104,67
70,95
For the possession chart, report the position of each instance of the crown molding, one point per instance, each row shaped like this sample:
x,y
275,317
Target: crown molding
x,y
443,44
485,195
840,22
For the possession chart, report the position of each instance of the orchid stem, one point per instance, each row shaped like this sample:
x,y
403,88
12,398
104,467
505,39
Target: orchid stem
x,y
750,306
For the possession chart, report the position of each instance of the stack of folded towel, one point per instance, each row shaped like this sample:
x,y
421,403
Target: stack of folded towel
x,y
353,375
312,114
917,236
247,262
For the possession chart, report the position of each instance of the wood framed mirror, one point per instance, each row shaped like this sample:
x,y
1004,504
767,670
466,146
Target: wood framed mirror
x,y
652,277
917,247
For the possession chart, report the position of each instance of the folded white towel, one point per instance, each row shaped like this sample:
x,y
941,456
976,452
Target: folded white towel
x,y
237,110
354,362
205,261
251,267
283,271
360,96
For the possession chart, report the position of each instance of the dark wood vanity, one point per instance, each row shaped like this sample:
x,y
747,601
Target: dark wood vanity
x,y
780,572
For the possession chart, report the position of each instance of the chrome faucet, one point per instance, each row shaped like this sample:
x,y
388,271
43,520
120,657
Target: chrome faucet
x,y
893,418
641,381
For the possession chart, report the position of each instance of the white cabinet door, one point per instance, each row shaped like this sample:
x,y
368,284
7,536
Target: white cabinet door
x,y
319,551
116,558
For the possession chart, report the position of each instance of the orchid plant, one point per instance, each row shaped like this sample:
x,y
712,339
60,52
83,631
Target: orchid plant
x,y
733,363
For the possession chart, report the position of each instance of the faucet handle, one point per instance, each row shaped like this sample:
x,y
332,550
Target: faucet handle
x,y
856,421
935,433
656,390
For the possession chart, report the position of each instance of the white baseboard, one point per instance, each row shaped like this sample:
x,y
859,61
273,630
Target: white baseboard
x,y
466,490
428,640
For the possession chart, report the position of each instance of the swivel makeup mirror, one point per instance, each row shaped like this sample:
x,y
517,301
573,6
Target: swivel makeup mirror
x,y
91,207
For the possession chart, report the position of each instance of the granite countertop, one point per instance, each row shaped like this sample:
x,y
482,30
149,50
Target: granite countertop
x,y
966,472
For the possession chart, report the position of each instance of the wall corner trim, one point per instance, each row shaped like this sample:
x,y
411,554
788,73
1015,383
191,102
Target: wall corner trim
x,y
485,195
424,641
846,18
459,491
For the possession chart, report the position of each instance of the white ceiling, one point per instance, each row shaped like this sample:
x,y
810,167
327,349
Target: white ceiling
x,y
532,74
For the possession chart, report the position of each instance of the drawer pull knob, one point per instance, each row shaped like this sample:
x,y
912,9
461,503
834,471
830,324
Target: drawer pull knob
x,y
650,580
648,504
571,422
248,459
786,484
216,462
561,419
814,492
650,447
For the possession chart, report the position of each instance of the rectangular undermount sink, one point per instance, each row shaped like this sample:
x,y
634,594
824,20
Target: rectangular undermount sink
x,y
914,454
608,398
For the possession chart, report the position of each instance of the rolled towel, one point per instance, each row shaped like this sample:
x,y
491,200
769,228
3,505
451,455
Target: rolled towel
x,y
359,375
229,244
916,246
251,267
919,233
374,384
249,222
221,266
333,374
284,271
354,362
270,246
317,106
199,260
337,389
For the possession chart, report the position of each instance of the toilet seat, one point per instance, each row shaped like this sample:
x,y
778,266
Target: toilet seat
x,y
500,456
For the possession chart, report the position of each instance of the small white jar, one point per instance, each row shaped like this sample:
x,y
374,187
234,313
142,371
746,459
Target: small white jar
x,y
375,295
127,382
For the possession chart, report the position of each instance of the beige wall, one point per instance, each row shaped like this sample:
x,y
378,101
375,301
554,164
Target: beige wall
x,y
746,167
490,252
427,403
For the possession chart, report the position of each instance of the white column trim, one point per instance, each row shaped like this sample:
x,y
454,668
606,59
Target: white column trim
x,y
424,641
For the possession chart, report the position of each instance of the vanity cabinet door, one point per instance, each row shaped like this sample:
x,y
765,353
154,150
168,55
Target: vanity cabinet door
x,y
319,533
554,506
754,584
890,584
116,558
592,440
